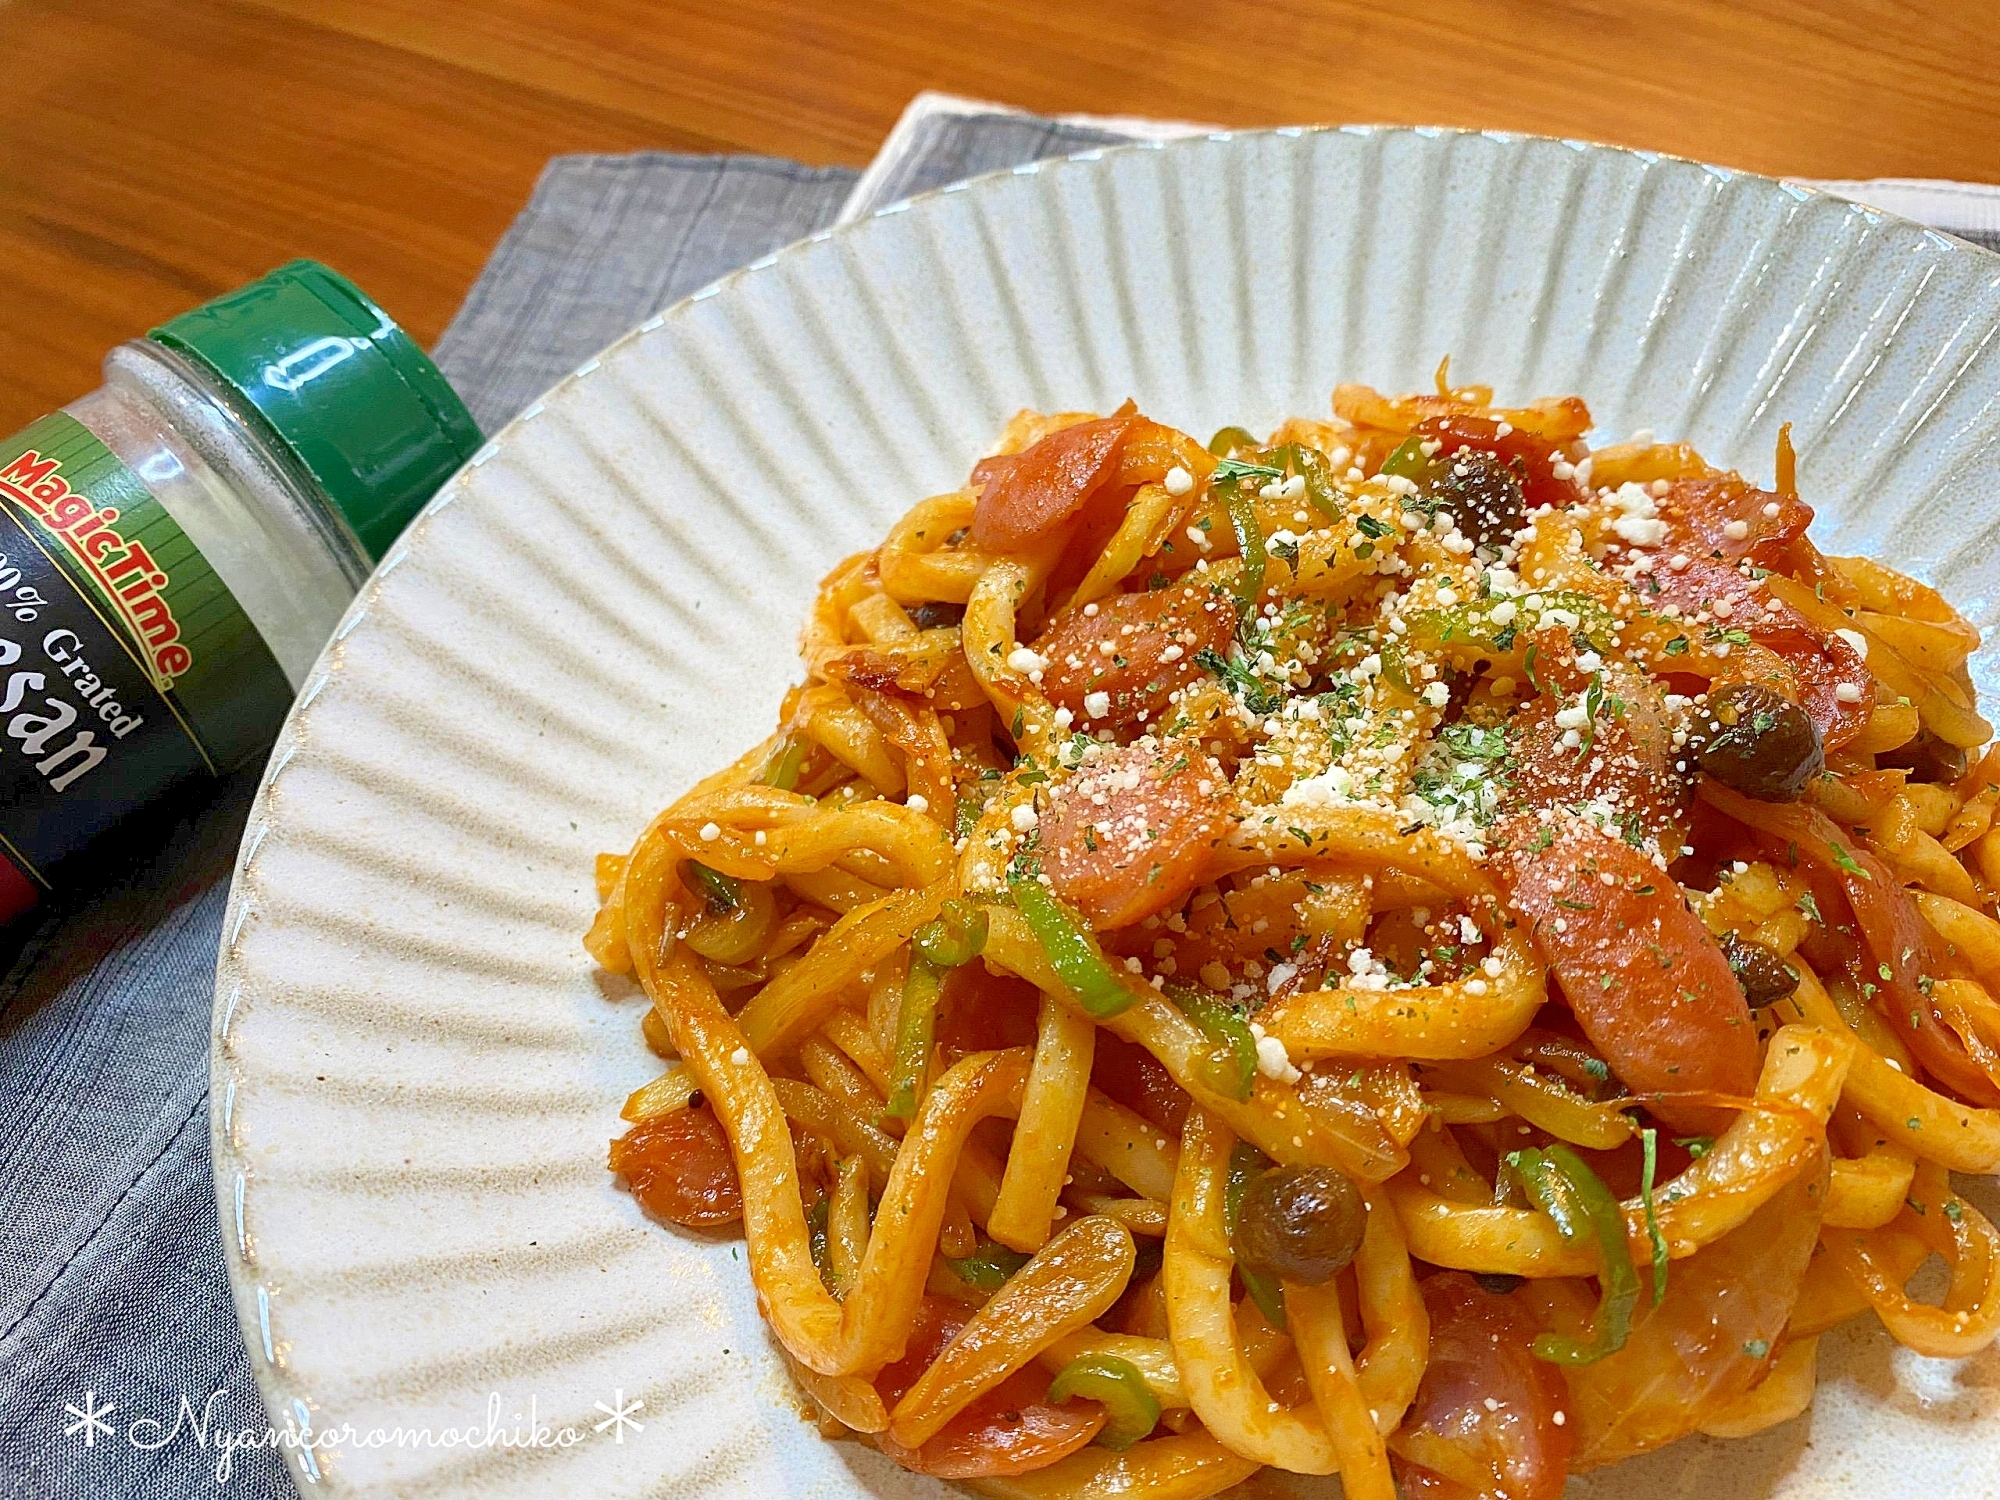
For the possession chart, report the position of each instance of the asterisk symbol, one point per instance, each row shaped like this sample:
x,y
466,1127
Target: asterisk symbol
x,y
89,1418
619,1416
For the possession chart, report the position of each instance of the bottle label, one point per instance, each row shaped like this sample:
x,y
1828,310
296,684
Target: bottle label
x,y
126,665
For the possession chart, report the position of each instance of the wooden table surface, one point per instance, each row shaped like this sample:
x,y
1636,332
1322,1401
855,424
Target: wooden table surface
x,y
156,152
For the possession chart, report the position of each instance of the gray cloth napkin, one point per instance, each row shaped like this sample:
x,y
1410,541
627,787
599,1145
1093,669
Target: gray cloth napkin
x,y
111,1277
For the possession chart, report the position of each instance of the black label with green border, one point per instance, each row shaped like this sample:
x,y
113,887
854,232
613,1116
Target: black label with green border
x,y
126,665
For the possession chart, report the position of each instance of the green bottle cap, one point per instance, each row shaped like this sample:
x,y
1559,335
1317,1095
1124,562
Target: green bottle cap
x,y
341,387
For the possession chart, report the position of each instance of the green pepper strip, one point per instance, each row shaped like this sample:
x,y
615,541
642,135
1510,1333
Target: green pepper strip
x,y
1561,1185
1250,539
1130,1409
721,891
916,1027
783,771
1231,1068
1395,664
1297,458
955,936
989,1266
1408,460
1228,439
1245,1162
1649,1140
1070,949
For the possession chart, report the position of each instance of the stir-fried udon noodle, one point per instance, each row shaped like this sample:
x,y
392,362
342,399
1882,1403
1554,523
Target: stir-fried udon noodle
x,y
1413,949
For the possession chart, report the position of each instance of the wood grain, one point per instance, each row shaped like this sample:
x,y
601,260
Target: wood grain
x,y
155,152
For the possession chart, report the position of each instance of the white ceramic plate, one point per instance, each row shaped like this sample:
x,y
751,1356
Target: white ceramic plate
x,y
416,1068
